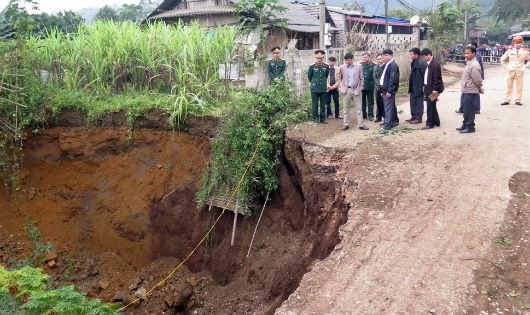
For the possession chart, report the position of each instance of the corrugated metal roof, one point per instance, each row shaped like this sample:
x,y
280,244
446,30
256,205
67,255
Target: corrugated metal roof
x,y
193,12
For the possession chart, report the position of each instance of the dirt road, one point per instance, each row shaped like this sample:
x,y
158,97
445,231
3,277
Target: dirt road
x,y
425,209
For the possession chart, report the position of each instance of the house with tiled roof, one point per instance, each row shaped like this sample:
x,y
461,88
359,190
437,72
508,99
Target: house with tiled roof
x,y
302,18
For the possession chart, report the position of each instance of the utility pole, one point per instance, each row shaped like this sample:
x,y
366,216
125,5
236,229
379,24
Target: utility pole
x,y
465,26
322,18
386,25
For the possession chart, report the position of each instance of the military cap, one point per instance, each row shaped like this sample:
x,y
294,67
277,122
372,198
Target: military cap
x,y
275,49
517,39
320,53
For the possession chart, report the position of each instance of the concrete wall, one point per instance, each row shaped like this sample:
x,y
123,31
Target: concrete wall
x,y
215,20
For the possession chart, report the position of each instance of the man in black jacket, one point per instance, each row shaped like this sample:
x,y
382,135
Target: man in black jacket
x,y
378,72
417,74
433,87
389,86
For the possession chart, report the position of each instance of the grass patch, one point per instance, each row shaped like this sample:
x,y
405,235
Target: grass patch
x,y
394,131
503,241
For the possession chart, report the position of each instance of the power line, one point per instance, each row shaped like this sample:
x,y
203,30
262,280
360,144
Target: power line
x,y
408,6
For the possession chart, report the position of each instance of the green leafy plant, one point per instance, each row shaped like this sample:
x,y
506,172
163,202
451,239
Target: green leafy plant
x,y
39,249
254,115
445,26
259,15
24,291
395,131
503,241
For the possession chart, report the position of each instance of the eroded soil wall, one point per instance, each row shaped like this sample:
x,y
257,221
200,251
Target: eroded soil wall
x,y
119,208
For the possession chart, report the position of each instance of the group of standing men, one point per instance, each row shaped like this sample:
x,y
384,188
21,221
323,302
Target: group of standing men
x,y
357,82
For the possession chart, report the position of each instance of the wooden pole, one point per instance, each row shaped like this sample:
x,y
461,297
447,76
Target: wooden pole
x,y
235,224
322,17
386,25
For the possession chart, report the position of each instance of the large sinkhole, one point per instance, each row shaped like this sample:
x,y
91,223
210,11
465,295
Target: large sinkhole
x,y
119,206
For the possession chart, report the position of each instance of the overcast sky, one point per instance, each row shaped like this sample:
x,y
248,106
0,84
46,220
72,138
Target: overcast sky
x,y
51,6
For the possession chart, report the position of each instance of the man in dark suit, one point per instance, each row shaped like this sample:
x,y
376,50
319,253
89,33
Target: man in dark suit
x,y
378,71
389,86
433,87
416,78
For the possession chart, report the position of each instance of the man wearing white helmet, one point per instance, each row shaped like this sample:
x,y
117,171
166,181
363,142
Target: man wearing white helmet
x,y
515,60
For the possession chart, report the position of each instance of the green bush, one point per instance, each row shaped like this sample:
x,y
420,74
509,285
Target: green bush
x,y
24,291
252,114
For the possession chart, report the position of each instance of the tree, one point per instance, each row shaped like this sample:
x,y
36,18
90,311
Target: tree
x,y
107,13
471,8
259,15
353,6
131,12
66,22
401,13
445,27
511,11
498,33
18,18
471,13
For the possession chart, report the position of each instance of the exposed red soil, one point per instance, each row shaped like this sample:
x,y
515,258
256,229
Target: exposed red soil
x,y
119,209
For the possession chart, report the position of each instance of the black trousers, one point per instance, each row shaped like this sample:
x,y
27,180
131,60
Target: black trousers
x,y
416,106
432,113
380,105
368,101
391,118
335,95
469,102
476,106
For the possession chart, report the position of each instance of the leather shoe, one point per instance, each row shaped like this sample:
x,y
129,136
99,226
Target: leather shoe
x,y
338,117
324,122
415,121
519,103
467,130
505,103
426,127
345,128
363,127
370,118
377,120
477,112
458,111
461,128
409,120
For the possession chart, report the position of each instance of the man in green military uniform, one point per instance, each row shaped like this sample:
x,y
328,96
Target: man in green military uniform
x,y
369,86
318,75
276,66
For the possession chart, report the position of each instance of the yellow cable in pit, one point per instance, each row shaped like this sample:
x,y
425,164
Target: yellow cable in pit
x,y
207,233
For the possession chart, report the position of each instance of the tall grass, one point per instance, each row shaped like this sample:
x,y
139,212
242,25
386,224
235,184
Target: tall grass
x,y
108,57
